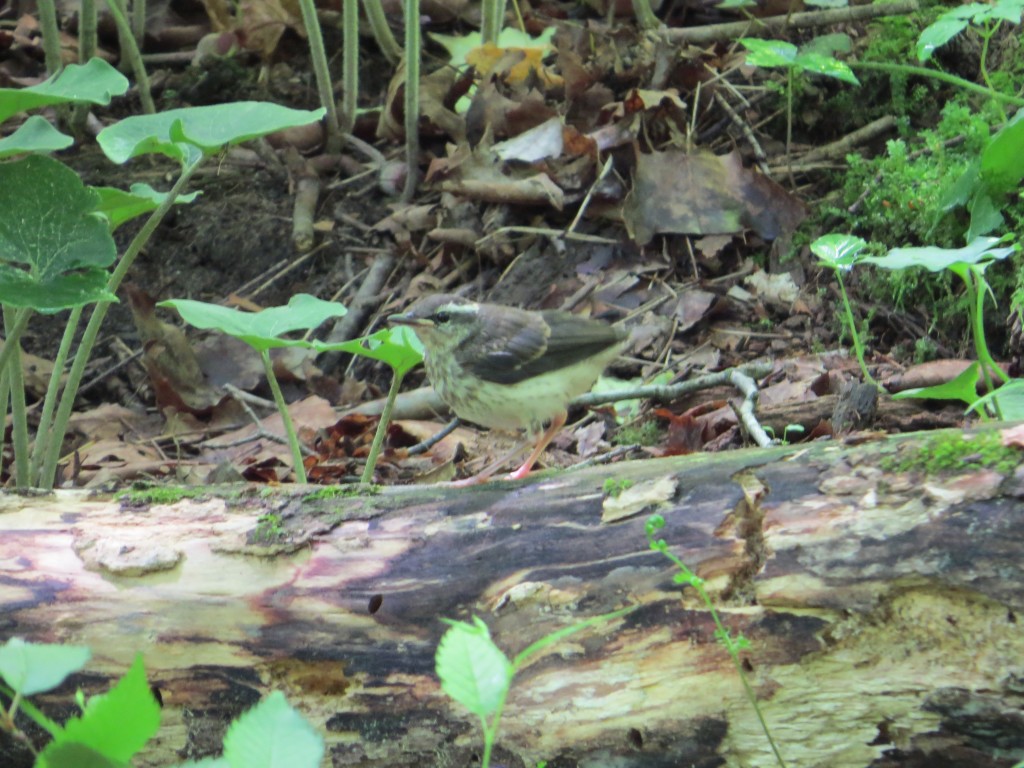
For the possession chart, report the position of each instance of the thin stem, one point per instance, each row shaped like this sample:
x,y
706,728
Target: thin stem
x,y
45,431
139,23
976,286
858,345
86,50
92,329
412,97
382,32
644,15
51,36
130,50
286,418
318,57
986,36
382,427
492,20
19,417
938,75
349,64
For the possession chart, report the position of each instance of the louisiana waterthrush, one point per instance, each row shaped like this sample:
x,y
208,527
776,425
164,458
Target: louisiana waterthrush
x,y
508,368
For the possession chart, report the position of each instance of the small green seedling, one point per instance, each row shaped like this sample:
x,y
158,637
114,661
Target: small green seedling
x,y
265,330
841,253
114,726
478,675
969,264
733,645
813,59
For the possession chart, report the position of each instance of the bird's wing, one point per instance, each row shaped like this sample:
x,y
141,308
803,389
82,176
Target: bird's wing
x,y
537,345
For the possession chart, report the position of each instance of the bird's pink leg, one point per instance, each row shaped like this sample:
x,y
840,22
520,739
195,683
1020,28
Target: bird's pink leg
x,y
549,434
485,474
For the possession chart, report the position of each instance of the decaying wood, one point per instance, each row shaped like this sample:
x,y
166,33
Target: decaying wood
x,y
881,609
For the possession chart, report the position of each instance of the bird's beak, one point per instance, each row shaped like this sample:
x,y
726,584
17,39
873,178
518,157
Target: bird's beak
x,y
410,320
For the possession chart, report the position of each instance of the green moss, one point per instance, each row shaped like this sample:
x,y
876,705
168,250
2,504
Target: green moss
x,y
342,492
268,529
142,495
645,433
949,451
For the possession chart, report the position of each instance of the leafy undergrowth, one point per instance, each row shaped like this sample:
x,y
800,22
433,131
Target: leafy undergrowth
x,y
656,178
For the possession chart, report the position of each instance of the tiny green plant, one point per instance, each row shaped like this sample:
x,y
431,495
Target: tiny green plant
x,y
733,645
115,726
265,330
840,253
478,675
815,58
615,486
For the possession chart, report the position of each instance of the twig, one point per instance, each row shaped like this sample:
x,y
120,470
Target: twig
x,y
719,33
745,129
434,439
666,392
745,410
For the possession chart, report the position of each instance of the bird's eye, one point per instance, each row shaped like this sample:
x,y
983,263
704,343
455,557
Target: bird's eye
x,y
442,317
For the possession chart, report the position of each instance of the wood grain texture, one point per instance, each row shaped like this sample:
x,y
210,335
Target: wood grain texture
x,y
881,609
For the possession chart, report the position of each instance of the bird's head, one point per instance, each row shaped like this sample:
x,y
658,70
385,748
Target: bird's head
x,y
441,322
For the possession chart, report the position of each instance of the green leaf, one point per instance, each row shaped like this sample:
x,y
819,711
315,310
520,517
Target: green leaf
x,y
34,135
208,128
272,735
819,64
1011,400
460,46
72,754
95,82
31,668
398,347
827,45
260,330
769,53
1002,160
472,669
119,206
937,259
985,215
838,251
938,34
53,248
964,388
117,724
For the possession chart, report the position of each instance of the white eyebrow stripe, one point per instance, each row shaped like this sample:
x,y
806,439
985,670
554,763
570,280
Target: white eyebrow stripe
x,y
459,309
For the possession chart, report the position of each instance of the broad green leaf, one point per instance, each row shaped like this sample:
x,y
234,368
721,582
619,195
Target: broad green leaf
x,y
838,251
272,735
938,34
1002,160
119,206
208,128
398,347
1010,397
937,259
34,135
472,669
962,190
827,45
31,668
985,215
95,82
72,754
820,64
769,53
53,249
117,724
964,388
260,330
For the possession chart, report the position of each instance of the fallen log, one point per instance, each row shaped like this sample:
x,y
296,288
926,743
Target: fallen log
x,y
879,594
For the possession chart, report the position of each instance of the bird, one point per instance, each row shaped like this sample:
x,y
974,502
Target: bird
x,y
508,368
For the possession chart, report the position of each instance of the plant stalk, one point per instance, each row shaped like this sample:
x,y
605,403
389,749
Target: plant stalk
x,y
318,57
382,427
412,97
286,418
